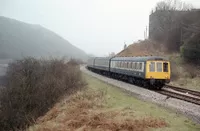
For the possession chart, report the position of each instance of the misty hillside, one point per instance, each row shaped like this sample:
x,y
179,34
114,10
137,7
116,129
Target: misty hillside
x,y
18,39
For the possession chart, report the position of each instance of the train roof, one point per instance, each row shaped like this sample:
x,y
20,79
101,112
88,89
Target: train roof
x,y
144,58
103,57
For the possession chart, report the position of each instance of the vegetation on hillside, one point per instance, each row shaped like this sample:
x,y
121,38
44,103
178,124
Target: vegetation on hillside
x,y
191,49
144,48
19,40
177,25
33,87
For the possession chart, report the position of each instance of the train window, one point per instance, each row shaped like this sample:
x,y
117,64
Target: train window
x,y
129,65
126,65
136,66
159,66
140,66
114,64
165,67
133,65
152,67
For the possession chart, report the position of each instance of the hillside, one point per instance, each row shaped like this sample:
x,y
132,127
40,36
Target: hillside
x,y
143,48
18,39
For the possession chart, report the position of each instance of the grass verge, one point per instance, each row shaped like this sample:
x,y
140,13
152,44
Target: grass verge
x,y
105,107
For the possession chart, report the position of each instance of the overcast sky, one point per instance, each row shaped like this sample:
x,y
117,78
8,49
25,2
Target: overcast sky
x,y
96,26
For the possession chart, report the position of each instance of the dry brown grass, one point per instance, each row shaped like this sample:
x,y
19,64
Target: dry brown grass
x,y
143,48
86,111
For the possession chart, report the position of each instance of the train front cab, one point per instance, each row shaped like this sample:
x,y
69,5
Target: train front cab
x,y
158,72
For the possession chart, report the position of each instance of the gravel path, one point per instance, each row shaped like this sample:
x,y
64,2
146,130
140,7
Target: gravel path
x,y
190,110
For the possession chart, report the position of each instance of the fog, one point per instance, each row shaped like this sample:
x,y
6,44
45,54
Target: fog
x,y
98,27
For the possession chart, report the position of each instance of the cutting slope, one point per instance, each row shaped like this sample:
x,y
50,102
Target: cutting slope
x,y
143,48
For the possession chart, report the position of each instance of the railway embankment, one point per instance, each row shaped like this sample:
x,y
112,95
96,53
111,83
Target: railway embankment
x,y
102,106
186,108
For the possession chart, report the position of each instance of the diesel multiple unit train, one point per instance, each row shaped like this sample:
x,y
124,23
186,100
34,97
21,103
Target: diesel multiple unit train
x,y
149,71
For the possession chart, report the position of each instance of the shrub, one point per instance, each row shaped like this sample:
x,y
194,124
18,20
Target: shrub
x,y
190,51
33,87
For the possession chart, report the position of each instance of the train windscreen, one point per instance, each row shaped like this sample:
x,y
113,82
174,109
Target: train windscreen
x,y
152,67
159,66
165,67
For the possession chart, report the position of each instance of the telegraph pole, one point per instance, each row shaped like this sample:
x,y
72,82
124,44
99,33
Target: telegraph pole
x,y
181,38
146,32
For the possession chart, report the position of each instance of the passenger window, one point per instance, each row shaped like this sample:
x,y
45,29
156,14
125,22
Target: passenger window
x,y
122,64
130,64
140,66
136,66
125,64
165,67
152,67
133,64
159,66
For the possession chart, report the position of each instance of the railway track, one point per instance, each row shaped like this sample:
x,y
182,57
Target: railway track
x,y
192,92
181,93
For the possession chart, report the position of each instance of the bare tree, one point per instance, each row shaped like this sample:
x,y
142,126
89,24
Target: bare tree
x,y
173,5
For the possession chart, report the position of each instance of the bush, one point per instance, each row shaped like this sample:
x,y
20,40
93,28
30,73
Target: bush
x,y
190,51
33,87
